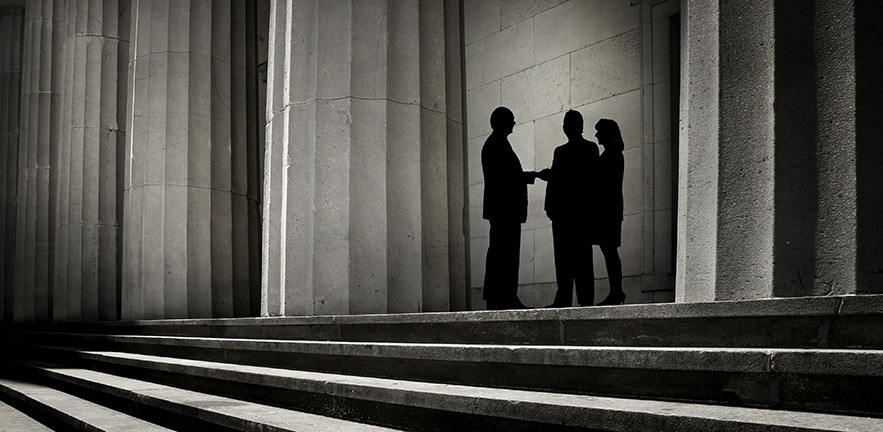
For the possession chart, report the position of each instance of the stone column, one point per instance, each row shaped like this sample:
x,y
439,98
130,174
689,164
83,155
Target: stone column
x,y
90,167
187,199
41,112
795,210
869,154
361,150
849,236
11,25
698,158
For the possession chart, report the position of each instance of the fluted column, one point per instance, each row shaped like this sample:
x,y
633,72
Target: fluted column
x,y
11,26
90,167
772,207
41,112
364,158
187,196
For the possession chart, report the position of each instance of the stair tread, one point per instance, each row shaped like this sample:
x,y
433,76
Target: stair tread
x,y
575,410
14,420
776,307
863,362
216,409
69,409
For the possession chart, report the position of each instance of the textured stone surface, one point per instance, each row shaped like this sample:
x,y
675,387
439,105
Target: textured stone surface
x,y
499,55
365,160
181,150
453,400
607,68
90,171
530,101
515,11
18,421
481,19
697,185
836,237
41,131
11,35
575,25
68,410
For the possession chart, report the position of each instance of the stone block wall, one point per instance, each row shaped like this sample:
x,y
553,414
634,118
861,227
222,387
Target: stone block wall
x,y
605,59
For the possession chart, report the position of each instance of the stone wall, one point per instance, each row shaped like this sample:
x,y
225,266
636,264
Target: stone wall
x,y
606,59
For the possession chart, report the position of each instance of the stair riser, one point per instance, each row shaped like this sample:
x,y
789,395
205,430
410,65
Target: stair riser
x,y
761,389
849,331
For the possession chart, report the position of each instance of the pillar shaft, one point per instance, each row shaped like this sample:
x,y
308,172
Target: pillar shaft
x,y
41,126
90,161
792,206
11,26
835,150
360,147
698,158
187,196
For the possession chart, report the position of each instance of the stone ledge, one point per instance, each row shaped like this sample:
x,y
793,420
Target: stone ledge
x,y
743,360
798,306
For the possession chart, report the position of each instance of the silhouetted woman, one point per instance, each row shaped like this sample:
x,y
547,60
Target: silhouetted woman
x,y
611,166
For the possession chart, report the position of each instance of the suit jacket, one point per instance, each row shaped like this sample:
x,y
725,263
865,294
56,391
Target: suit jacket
x,y
573,181
505,183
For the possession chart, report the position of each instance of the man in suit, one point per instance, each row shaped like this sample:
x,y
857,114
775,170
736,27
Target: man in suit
x,y
569,204
505,207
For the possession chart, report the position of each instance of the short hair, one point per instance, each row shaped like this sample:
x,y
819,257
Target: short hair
x,y
500,116
573,121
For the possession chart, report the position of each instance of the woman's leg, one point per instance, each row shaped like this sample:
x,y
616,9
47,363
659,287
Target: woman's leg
x,y
614,275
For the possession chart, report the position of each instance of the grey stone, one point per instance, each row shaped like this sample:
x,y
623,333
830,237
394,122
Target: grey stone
x,y
481,19
606,69
499,55
575,25
529,101
73,411
513,11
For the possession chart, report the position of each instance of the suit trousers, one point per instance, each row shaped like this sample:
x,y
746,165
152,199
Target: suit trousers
x,y
572,245
503,259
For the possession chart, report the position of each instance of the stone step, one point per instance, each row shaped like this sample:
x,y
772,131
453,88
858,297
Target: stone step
x,y
66,411
422,405
807,322
13,420
203,411
841,381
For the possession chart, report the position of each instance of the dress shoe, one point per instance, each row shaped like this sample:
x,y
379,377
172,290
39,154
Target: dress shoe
x,y
614,298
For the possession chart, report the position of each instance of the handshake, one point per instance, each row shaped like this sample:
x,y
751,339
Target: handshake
x,y
543,175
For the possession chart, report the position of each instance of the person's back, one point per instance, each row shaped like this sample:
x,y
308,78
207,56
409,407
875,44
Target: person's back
x,y
570,198
569,192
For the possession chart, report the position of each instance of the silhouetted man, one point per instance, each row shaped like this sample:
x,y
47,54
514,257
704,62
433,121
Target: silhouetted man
x,y
569,204
505,207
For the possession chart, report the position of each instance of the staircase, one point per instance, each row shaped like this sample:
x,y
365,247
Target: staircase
x,y
802,364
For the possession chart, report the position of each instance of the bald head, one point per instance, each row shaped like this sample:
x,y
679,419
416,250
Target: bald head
x,y
502,120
